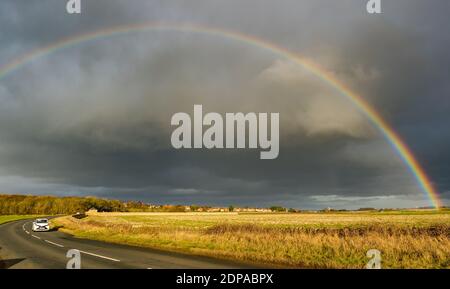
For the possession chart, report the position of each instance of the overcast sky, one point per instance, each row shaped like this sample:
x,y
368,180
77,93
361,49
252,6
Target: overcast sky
x,y
94,118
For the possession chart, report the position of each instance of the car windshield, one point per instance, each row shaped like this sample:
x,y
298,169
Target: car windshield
x,y
42,221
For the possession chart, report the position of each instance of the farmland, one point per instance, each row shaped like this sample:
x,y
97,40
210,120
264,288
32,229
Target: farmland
x,y
406,239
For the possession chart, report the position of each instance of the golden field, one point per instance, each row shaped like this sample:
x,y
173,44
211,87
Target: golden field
x,y
406,239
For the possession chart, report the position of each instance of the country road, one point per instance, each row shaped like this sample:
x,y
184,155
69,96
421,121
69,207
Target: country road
x,y
22,248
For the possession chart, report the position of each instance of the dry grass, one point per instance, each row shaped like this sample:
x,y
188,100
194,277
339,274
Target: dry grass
x,y
405,239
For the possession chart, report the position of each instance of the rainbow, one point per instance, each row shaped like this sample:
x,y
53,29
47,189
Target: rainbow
x,y
360,103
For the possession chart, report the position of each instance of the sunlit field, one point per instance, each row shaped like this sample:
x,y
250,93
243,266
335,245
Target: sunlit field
x,y
406,239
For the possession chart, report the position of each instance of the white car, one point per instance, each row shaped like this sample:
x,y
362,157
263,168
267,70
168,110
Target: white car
x,y
41,225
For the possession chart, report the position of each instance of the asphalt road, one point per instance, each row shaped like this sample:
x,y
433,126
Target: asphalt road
x,y
22,248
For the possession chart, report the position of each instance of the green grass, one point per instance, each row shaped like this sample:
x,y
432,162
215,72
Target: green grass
x,y
10,218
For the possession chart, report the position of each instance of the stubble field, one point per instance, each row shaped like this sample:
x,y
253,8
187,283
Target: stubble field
x,y
406,239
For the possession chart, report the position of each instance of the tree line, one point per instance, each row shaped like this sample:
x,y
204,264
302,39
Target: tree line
x,y
49,205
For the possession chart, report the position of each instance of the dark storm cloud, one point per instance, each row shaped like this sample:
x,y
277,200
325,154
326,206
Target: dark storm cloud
x,y
95,118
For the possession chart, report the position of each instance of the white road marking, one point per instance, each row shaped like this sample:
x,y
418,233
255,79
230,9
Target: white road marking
x,y
23,227
99,256
61,246
50,242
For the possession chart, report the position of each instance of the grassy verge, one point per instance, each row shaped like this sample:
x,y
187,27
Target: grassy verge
x,y
289,240
10,218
